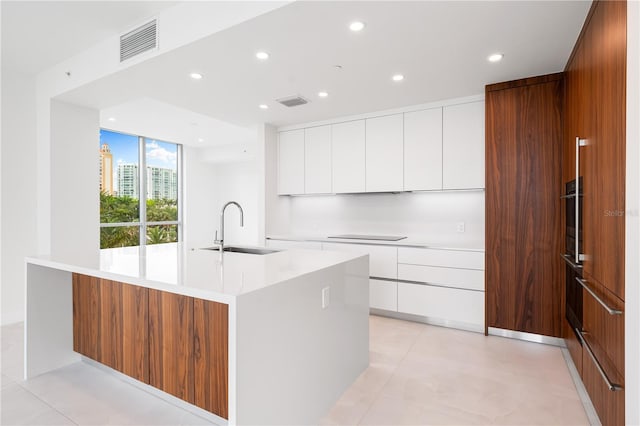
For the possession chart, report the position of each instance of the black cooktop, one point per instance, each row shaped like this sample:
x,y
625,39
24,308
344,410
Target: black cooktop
x,y
368,237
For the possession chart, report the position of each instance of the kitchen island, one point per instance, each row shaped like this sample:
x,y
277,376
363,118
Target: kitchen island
x,y
253,339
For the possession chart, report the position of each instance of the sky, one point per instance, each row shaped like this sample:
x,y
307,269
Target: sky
x,y
125,150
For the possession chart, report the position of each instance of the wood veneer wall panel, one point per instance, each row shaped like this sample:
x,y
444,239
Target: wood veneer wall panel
x,y
211,338
523,215
171,366
86,315
135,336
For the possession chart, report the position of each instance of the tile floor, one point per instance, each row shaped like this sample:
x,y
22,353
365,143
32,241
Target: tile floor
x,y
418,374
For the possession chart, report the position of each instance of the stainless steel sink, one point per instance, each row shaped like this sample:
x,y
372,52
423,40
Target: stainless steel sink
x,y
247,250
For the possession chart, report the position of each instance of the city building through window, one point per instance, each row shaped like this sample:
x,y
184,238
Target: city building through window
x,y
139,190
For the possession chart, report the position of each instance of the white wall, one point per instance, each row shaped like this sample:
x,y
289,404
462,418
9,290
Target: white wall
x,y
237,182
430,216
75,201
632,224
199,213
18,191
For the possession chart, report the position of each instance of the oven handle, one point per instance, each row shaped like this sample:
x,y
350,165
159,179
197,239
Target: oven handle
x,y
579,143
608,308
612,386
567,258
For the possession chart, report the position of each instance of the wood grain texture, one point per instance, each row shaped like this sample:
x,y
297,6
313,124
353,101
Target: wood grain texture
x,y
171,366
605,332
523,214
110,324
211,355
135,335
573,345
86,315
596,103
608,404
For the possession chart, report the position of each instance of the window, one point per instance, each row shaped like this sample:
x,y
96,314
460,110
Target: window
x,y
139,190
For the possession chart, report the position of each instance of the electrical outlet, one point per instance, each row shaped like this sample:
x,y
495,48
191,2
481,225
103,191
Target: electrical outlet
x,y
460,227
326,297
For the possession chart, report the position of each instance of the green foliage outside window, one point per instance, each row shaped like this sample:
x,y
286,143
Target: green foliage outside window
x,y
114,209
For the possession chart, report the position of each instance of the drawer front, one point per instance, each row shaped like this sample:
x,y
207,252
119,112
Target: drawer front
x,y
605,332
383,260
287,244
383,294
448,304
608,404
446,258
449,277
573,345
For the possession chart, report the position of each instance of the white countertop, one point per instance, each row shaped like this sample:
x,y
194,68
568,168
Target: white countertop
x,y
200,273
410,241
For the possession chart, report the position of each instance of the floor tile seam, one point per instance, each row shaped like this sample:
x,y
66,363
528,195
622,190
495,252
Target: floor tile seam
x,y
44,401
393,373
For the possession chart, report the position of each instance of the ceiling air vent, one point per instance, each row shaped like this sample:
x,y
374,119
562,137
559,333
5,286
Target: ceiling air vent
x,y
139,40
292,101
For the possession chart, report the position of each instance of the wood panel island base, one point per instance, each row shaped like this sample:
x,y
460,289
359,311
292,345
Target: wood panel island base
x,y
251,339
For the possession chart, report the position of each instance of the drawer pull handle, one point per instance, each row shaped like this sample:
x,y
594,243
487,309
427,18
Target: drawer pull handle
x,y
612,386
567,258
608,308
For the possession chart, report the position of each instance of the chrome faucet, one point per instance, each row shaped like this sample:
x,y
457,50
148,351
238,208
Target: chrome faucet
x,y
220,241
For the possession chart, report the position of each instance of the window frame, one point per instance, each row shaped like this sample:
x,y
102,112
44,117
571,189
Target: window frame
x,y
143,224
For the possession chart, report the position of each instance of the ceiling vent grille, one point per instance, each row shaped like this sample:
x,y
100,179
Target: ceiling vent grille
x,y
292,101
139,40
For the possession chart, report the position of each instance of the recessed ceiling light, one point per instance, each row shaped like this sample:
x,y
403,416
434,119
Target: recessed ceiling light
x,y
398,77
200,140
263,56
356,26
112,119
323,94
263,106
496,57
195,75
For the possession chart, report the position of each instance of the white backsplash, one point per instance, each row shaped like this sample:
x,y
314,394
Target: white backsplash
x,y
430,216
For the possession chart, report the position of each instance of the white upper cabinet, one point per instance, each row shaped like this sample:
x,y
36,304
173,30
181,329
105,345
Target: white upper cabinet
x,y
291,162
384,153
317,160
348,156
463,146
423,150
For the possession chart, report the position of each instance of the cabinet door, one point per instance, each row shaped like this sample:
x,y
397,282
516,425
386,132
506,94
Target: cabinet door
x,y
171,367
383,260
383,294
463,146
317,160
86,315
603,159
423,150
348,157
135,334
384,154
211,355
111,331
291,162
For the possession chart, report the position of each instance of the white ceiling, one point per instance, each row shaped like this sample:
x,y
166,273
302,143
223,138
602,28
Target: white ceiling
x,y
440,47
158,120
39,34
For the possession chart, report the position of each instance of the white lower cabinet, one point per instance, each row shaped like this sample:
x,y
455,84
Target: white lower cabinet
x,y
383,294
459,308
383,260
470,279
